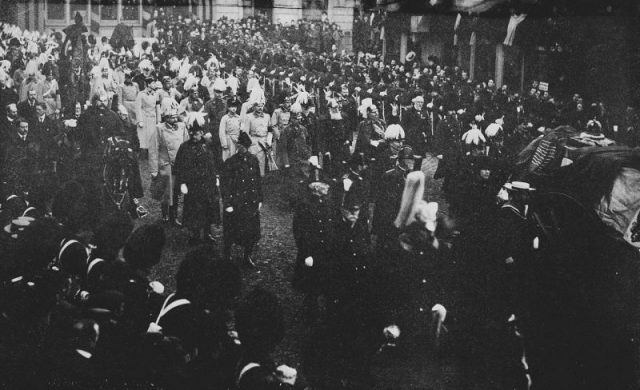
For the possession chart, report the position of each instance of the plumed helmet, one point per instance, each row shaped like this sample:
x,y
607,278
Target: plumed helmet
x,y
394,132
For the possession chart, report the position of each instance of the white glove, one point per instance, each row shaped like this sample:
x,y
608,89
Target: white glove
x,y
286,374
391,332
259,205
184,189
154,328
308,261
440,311
229,209
157,287
439,156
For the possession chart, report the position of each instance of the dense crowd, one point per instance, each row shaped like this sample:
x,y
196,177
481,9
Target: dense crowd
x,y
210,110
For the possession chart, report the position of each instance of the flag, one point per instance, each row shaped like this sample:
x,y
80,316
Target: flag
x,y
455,29
514,21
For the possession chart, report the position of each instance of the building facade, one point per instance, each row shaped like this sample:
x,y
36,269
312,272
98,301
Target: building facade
x,y
103,15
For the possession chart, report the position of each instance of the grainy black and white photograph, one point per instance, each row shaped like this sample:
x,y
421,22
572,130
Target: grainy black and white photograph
x,y
320,194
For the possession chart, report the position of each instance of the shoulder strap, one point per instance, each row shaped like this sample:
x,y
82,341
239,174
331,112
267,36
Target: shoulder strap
x,y
93,263
245,369
167,308
67,244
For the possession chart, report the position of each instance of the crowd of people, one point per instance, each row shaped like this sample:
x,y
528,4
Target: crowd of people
x,y
212,112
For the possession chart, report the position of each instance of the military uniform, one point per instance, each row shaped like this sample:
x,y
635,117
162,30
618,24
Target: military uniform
x,y
257,126
195,166
280,119
369,130
242,190
350,254
312,223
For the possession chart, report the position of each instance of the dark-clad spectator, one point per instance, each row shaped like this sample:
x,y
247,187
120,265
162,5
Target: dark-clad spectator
x,y
20,160
27,108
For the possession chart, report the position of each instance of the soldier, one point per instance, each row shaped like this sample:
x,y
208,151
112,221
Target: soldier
x,y
349,310
313,219
164,145
389,195
257,127
196,174
353,180
242,197
413,267
370,130
229,129
279,121
295,151
336,135
215,109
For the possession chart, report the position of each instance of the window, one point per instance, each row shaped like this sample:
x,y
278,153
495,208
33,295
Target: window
x,y
130,9
78,6
108,9
56,10
312,9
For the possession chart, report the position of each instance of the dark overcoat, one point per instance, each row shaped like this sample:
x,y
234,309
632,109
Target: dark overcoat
x,y
195,167
312,223
242,190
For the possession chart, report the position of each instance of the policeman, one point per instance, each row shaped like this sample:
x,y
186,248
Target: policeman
x,y
242,197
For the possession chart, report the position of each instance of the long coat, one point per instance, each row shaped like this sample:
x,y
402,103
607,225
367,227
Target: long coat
x,y
312,224
20,162
417,128
163,149
350,258
195,166
242,190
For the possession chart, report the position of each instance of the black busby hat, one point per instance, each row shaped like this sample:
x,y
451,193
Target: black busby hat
x,y
144,247
244,140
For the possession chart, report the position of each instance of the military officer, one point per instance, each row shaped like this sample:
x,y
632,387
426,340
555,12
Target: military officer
x,y
257,127
242,197
370,131
389,195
